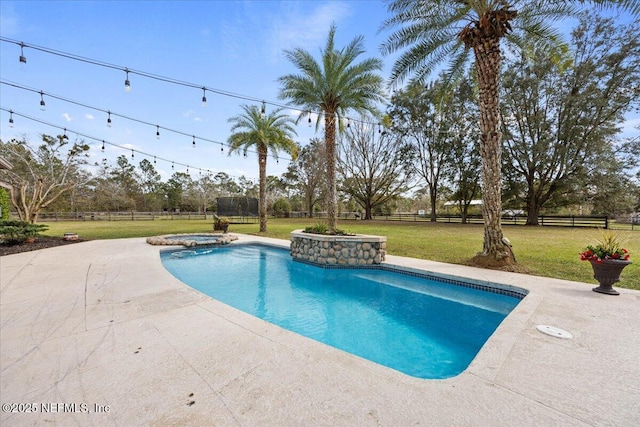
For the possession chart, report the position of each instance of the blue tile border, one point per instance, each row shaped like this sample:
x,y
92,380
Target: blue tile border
x,y
508,290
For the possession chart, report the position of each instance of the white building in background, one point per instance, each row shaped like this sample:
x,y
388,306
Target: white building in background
x,y
476,202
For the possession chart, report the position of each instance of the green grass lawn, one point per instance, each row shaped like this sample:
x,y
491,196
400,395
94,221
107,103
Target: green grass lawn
x,y
545,251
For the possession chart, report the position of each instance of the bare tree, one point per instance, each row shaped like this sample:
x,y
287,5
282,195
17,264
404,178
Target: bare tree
x,y
309,171
373,165
42,174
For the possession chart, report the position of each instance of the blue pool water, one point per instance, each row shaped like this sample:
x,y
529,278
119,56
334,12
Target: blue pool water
x,y
422,327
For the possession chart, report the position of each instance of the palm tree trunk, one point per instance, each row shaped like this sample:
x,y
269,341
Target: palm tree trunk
x,y
262,159
487,55
330,142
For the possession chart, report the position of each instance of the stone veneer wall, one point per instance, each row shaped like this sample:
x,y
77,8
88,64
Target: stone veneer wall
x,y
338,250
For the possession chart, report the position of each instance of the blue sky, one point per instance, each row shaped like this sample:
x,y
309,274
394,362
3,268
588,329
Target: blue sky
x,y
233,46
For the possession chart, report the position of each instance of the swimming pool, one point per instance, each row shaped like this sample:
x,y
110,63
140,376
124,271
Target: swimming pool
x,y
419,326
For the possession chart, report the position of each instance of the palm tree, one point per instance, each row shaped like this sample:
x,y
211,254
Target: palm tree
x,y
333,86
449,30
267,132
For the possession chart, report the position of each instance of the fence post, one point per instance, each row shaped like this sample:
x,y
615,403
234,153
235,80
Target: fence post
x,y
541,219
606,222
573,221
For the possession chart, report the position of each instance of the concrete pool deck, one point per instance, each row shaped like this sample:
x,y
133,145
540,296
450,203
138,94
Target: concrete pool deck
x,y
99,333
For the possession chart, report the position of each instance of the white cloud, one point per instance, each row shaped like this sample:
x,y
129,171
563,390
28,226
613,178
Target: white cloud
x,y
198,119
67,117
306,27
287,25
89,117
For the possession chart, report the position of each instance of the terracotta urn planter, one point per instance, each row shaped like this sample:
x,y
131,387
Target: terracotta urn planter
x,y
607,272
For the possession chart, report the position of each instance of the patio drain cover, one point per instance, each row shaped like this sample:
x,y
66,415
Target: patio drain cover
x,y
554,332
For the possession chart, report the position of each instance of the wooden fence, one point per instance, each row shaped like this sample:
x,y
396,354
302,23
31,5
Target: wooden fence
x,y
544,220
137,216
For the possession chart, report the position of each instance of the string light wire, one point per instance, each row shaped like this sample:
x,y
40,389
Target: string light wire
x,y
105,143
153,76
112,113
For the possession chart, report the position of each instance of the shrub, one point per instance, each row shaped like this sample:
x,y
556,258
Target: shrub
x,y
15,231
5,204
321,228
281,208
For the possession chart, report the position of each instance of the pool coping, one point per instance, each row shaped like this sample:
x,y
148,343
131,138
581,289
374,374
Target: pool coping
x,y
112,318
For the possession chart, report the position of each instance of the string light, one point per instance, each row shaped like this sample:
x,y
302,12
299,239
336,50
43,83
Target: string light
x,y
187,168
42,104
157,131
109,119
172,167
309,121
23,59
10,118
221,148
132,156
379,130
67,55
127,84
154,160
109,112
193,144
103,142
204,96
348,123
263,110
64,135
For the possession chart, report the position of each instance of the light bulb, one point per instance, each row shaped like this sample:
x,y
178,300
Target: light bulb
x,y
157,132
42,104
109,120
10,119
204,97
127,84
23,59
193,144
263,110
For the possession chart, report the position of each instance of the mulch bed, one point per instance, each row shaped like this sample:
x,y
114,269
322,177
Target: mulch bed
x,y
40,243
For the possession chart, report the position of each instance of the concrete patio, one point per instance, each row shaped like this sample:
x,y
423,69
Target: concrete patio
x,y
99,333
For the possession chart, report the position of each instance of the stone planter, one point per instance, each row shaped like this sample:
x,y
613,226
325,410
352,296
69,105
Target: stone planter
x,y
338,250
607,272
